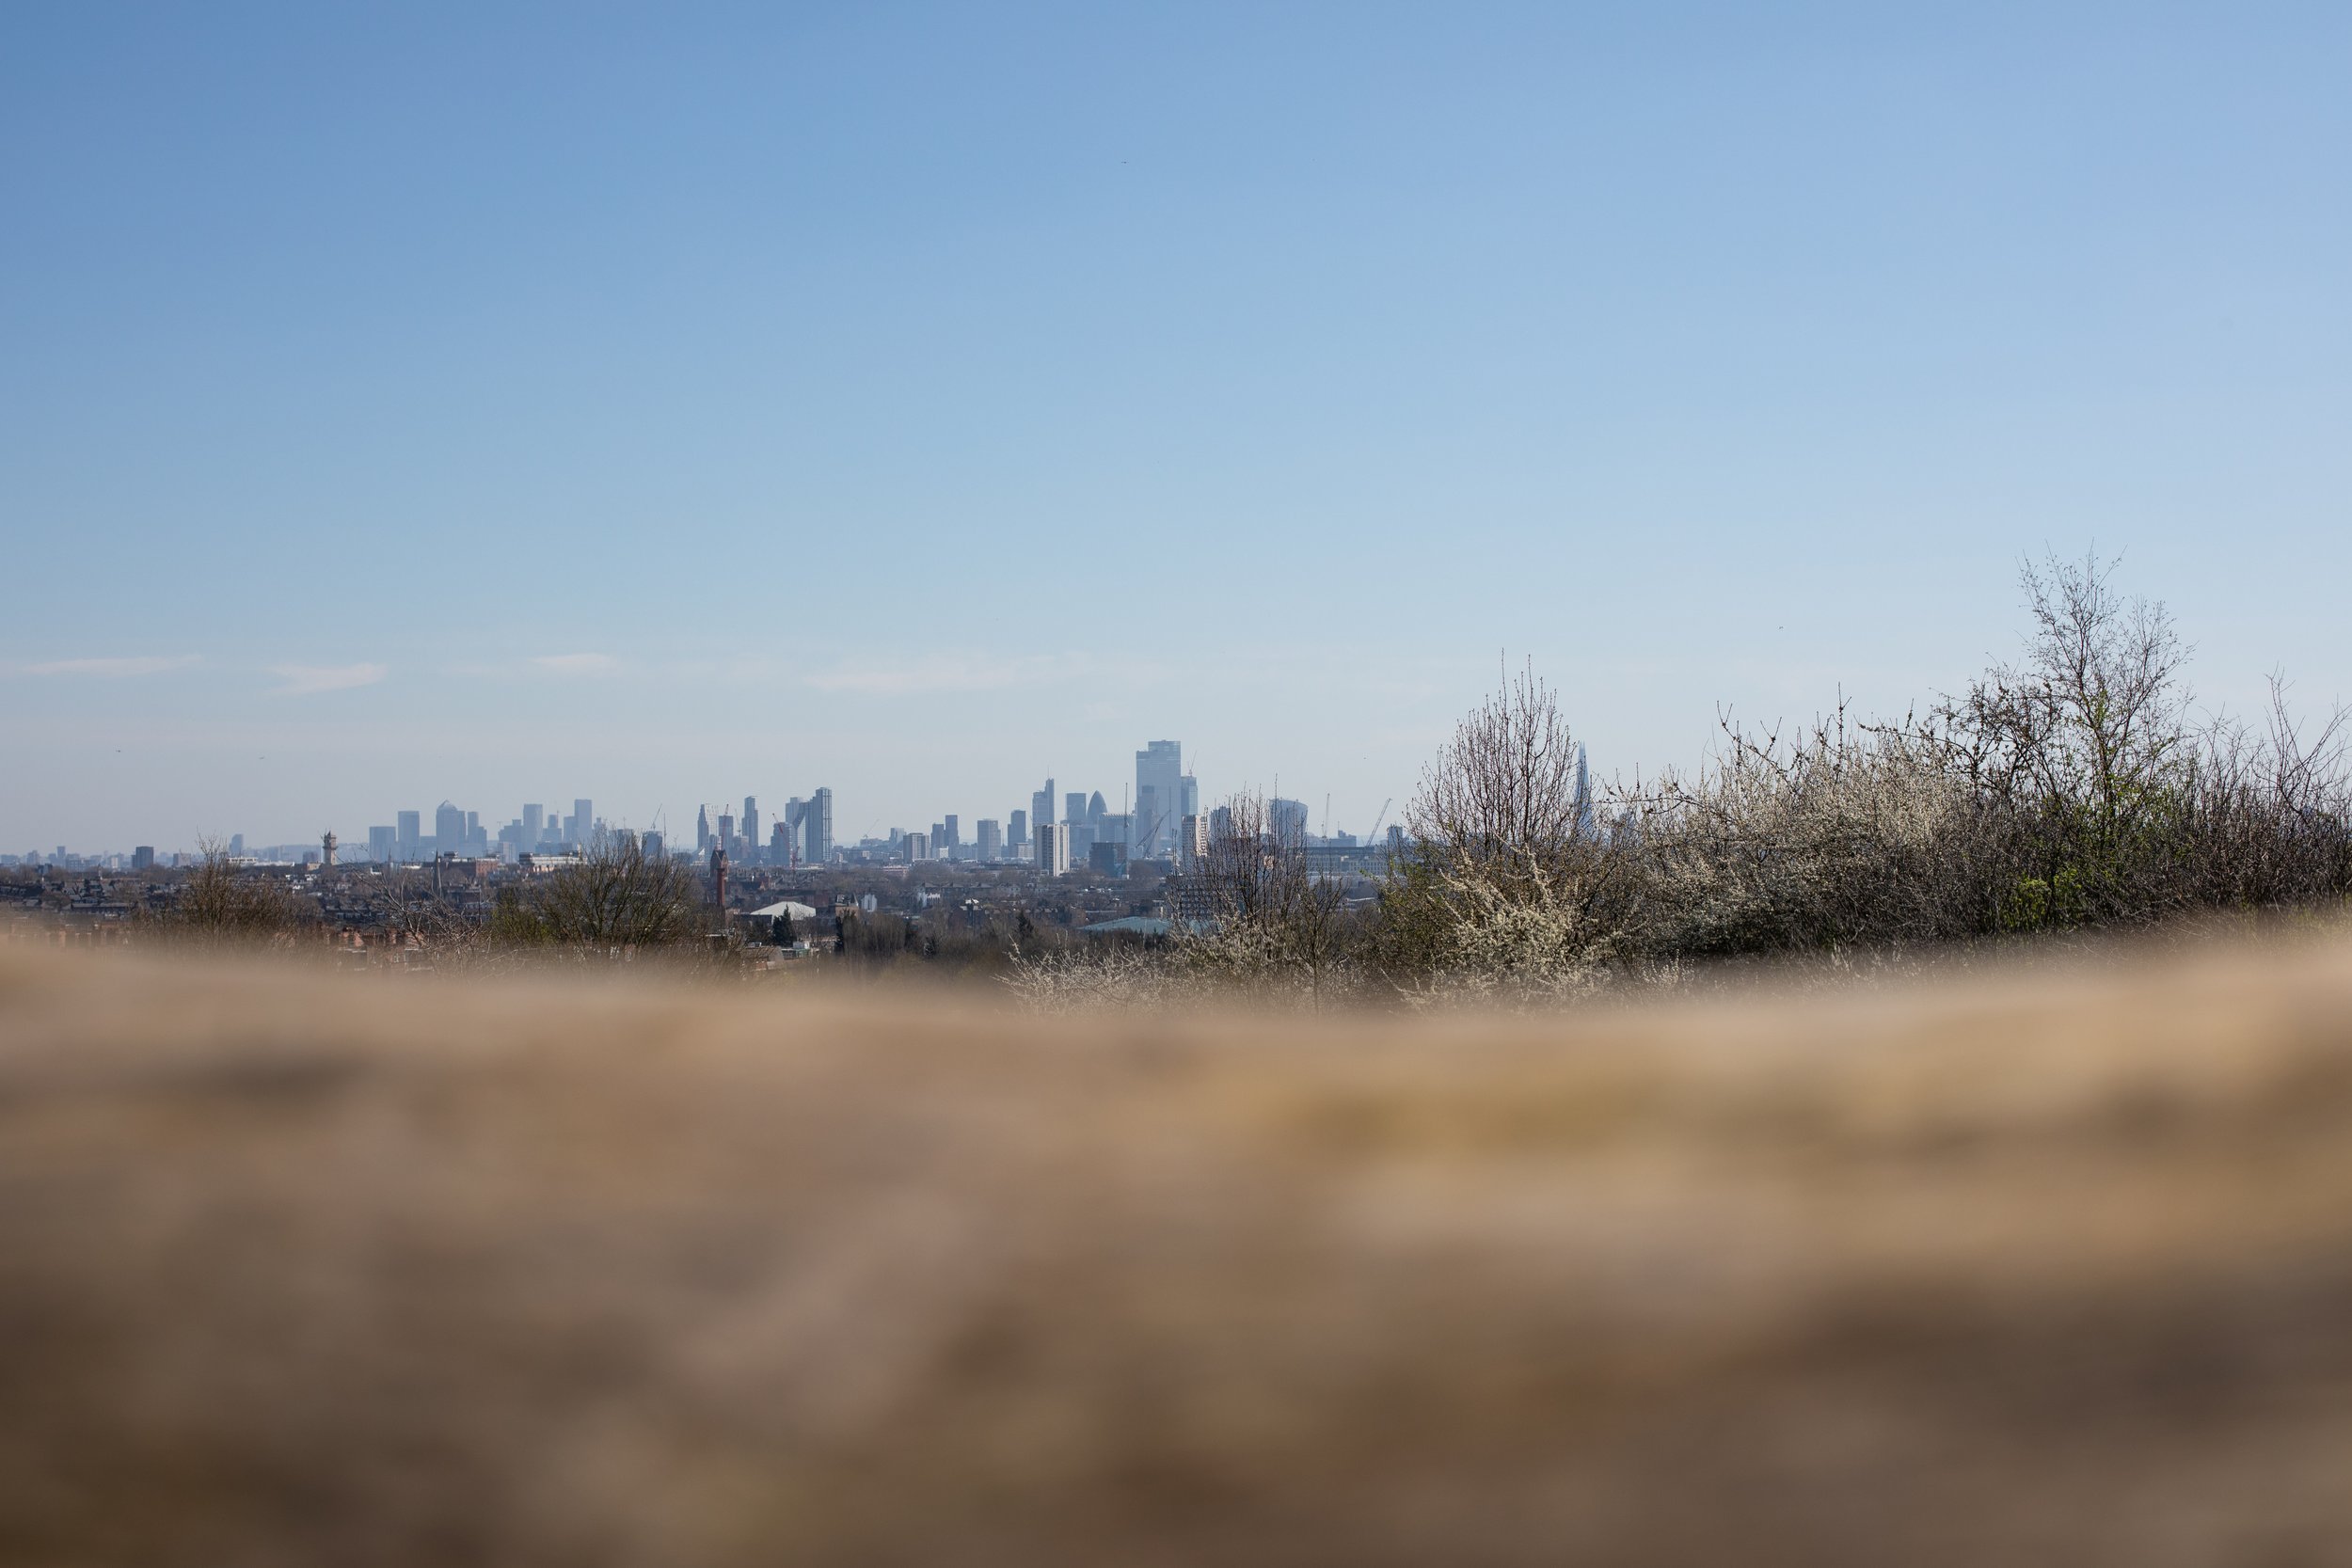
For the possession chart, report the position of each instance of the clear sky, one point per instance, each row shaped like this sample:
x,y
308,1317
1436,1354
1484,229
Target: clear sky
x,y
664,403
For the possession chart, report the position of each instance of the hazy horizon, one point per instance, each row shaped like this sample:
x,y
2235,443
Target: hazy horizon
x,y
659,407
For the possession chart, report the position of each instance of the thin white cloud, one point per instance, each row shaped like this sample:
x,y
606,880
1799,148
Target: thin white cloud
x,y
110,669
942,673
306,680
576,664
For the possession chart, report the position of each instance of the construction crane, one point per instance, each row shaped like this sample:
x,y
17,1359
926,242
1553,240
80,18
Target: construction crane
x,y
1374,836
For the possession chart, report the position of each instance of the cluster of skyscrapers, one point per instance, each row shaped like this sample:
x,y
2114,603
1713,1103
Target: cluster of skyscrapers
x,y
1059,832
536,832
802,835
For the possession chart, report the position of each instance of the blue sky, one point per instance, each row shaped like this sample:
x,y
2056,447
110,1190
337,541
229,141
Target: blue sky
x,y
669,403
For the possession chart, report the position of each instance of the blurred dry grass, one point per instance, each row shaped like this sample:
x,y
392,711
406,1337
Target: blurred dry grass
x,y
299,1269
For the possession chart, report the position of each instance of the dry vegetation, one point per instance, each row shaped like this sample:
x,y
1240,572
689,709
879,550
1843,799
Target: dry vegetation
x,y
2077,790
2049,1269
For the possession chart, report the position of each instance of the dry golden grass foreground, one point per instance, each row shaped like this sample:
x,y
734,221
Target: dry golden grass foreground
x,y
301,1269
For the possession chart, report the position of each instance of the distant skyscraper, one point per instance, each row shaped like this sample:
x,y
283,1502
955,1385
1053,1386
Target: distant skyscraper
x,y
951,836
751,823
702,831
1073,807
142,858
586,812
1159,769
918,848
1042,806
449,829
653,846
1017,834
1288,820
1220,824
236,843
534,825
382,844
412,835
1188,797
726,830
1052,848
991,839
1145,819
1096,806
820,827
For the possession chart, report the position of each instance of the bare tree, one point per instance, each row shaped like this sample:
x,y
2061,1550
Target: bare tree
x,y
1273,923
1509,890
218,902
614,899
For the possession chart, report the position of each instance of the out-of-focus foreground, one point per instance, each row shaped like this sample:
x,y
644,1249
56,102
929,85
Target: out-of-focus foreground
x,y
295,1269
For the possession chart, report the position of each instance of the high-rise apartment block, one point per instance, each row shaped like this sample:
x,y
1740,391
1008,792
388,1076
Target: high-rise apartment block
x,y
991,839
820,838
1052,848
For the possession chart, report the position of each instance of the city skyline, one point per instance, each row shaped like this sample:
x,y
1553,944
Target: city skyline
x,y
679,403
801,833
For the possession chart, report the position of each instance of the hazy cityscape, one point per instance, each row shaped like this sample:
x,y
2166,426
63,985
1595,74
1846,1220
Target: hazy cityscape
x,y
1157,817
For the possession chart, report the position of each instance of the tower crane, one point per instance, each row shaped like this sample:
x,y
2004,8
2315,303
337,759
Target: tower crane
x,y
1374,836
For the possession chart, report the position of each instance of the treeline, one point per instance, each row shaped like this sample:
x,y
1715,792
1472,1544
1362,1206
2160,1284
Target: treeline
x,y
2075,788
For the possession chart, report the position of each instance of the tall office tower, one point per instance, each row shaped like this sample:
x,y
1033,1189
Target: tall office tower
x,y
702,831
1188,797
236,845
1077,843
1096,807
1042,806
919,848
1052,848
473,831
534,824
586,812
726,832
1073,807
412,835
1017,836
143,857
449,829
652,846
1145,821
1193,842
795,830
954,839
1160,768
1584,824
751,824
1288,819
820,827
1220,824
383,843
779,844
991,839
